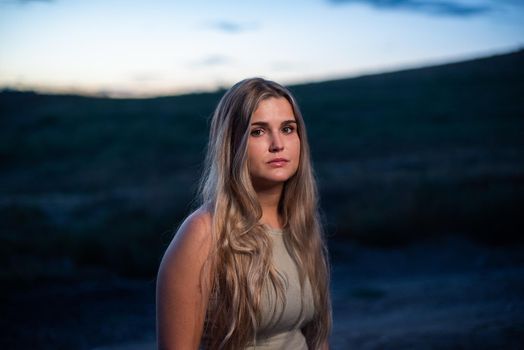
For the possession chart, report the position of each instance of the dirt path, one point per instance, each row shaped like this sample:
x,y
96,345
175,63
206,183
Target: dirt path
x,y
446,294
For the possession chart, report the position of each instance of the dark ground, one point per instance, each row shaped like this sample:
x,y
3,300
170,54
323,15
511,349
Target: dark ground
x,y
447,293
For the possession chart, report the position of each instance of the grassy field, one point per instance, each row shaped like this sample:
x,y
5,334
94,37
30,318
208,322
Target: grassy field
x,y
95,184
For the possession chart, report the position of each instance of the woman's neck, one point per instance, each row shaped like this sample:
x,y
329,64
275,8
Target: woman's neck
x,y
269,199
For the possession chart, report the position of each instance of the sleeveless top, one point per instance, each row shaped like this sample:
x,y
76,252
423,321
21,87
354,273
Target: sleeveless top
x,y
280,326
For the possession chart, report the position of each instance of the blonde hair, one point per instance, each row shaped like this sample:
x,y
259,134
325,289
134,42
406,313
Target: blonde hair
x,y
240,261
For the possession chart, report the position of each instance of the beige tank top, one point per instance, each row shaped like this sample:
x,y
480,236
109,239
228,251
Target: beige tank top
x,y
280,326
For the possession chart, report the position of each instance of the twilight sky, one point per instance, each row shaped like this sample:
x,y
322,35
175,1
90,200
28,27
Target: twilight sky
x,y
155,47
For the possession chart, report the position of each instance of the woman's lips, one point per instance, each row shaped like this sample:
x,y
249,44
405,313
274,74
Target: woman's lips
x,y
278,162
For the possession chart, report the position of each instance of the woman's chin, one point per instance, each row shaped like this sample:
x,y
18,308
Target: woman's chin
x,y
272,181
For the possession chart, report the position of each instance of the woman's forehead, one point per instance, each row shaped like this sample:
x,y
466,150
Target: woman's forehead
x,y
273,109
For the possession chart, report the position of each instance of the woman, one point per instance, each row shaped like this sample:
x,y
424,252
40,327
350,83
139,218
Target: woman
x,y
248,269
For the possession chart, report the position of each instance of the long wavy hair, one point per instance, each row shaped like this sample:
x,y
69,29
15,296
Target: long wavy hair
x,y
240,260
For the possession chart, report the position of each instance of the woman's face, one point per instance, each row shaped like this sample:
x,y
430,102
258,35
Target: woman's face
x,y
274,144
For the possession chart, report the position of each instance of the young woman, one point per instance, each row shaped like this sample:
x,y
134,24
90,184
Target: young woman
x,y
248,268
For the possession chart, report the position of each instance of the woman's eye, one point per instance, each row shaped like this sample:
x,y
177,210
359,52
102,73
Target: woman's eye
x,y
288,129
256,132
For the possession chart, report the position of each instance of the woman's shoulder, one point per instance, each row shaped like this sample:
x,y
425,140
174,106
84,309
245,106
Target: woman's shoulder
x,y
193,237
197,224
183,283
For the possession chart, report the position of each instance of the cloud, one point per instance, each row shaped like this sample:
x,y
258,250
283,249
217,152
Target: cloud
x,y
231,27
510,2
432,7
213,60
23,2
285,66
146,77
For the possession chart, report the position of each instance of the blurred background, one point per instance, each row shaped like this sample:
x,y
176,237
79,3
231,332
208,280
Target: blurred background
x,y
415,115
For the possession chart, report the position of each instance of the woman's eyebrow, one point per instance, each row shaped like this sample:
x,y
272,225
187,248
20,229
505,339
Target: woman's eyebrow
x,y
266,124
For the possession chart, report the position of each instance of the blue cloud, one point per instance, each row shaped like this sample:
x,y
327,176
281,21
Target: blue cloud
x,y
22,1
231,27
432,7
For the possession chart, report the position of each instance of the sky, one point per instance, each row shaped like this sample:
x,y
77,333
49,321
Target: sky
x,y
150,48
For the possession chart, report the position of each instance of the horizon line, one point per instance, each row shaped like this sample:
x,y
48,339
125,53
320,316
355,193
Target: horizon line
x,y
107,94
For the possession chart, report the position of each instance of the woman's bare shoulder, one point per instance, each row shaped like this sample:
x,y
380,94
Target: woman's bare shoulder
x,y
197,225
183,284
193,236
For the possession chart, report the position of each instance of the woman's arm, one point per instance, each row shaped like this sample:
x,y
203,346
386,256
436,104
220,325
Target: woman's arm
x,y
181,297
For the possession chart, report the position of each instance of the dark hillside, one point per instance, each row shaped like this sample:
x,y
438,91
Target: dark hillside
x,y
423,151
102,183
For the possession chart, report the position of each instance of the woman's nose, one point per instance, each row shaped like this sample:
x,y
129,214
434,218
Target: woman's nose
x,y
276,143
